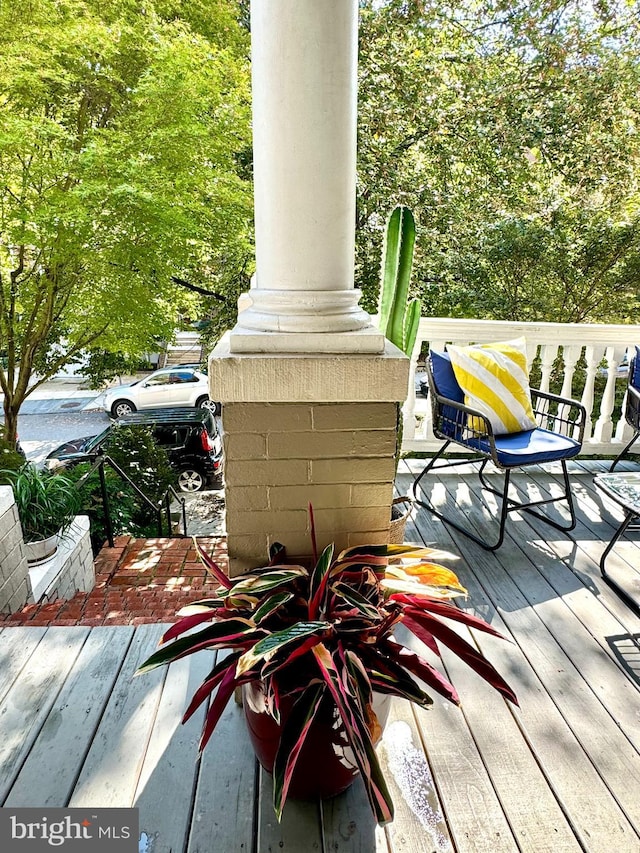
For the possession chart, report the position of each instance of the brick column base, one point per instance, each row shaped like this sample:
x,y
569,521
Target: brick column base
x,y
306,429
281,457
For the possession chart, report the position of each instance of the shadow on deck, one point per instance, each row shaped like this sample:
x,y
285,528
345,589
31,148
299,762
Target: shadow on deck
x,y
562,773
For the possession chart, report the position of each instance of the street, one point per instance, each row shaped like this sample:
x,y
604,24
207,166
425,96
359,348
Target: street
x,y
41,432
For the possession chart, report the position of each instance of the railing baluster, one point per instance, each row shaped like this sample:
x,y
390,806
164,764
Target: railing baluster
x,y
106,506
548,353
593,357
570,356
99,462
604,425
623,429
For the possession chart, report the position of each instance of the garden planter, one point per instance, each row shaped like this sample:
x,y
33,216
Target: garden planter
x,y
325,766
327,631
400,512
41,549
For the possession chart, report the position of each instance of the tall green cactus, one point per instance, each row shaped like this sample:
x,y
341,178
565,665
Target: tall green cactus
x,y
399,316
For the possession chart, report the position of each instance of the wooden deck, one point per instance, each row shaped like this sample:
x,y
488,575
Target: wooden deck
x,y
562,773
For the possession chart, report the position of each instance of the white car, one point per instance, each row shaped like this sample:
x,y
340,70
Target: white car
x,y
171,386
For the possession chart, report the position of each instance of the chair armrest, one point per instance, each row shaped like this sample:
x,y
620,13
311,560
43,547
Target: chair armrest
x,y
462,421
570,417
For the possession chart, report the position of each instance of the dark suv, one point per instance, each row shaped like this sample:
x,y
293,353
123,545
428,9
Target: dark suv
x,y
190,437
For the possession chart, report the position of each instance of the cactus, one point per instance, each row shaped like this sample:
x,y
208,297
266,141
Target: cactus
x,y
399,316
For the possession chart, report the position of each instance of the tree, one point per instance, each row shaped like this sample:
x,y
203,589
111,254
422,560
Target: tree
x,y
123,130
511,131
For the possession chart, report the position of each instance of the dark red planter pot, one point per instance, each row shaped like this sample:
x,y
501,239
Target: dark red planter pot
x,y
325,766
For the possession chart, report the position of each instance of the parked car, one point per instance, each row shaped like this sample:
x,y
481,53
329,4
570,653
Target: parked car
x,y
189,436
421,385
182,385
622,370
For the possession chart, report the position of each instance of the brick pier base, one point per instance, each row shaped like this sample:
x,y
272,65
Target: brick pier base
x,y
282,457
306,429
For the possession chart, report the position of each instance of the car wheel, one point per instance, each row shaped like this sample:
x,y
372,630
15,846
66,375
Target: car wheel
x,y
122,407
191,480
206,403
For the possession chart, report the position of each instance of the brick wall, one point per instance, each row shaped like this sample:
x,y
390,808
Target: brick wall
x,y
279,457
15,588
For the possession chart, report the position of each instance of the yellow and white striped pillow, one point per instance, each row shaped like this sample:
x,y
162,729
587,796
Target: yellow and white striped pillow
x,y
495,380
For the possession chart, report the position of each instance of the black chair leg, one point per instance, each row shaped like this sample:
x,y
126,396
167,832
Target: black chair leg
x,y
567,496
504,510
624,450
628,522
507,504
428,467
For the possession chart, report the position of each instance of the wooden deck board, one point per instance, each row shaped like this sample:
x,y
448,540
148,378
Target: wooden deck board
x,y
13,658
299,829
113,765
224,808
584,794
348,824
26,705
507,756
62,741
574,637
419,822
560,774
170,759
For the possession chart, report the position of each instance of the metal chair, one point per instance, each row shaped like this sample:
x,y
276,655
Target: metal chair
x,y
631,409
558,437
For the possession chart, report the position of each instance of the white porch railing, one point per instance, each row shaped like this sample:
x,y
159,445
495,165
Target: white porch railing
x,y
603,437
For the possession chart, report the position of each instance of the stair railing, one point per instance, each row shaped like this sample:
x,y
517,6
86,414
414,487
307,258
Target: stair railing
x,y
156,508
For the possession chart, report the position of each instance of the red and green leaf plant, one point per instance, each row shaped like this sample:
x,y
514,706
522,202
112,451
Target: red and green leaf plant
x,y
328,634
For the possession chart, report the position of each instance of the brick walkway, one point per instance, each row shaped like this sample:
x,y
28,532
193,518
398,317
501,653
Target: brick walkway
x,y
138,581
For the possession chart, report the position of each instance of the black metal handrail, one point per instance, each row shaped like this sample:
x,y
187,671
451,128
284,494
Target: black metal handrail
x,y
183,507
103,459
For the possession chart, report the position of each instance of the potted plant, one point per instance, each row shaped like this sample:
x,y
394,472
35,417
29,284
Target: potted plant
x,y
313,647
47,503
399,317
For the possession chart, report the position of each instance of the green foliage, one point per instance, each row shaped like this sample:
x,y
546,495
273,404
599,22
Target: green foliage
x,y
326,635
128,515
47,502
399,315
121,132
102,366
221,316
510,130
10,460
134,449
136,452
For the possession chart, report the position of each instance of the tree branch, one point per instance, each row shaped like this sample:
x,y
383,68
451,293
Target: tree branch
x,y
81,344
197,289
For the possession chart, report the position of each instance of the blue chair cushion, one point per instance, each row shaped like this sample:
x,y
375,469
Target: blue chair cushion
x,y
634,373
531,447
453,420
444,377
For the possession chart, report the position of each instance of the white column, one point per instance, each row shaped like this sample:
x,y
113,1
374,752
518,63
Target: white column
x,y
304,72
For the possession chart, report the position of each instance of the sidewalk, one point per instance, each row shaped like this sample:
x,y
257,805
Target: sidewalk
x,y
65,394
53,405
